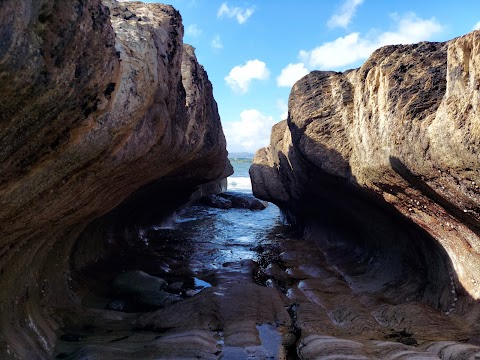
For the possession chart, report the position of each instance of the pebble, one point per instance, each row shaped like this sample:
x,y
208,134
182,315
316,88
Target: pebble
x,y
191,293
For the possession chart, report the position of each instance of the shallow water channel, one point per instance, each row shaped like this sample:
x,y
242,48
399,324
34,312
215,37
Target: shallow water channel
x,y
249,287
212,255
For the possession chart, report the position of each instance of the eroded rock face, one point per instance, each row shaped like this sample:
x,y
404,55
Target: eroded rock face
x,y
388,155
97,99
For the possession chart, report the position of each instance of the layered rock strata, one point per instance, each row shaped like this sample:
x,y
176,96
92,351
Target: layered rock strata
x,y
386,157
100,104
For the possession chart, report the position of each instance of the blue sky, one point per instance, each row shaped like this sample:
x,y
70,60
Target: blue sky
x,y
254,51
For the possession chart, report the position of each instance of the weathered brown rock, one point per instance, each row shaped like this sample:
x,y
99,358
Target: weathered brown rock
x,y
387,154
97,100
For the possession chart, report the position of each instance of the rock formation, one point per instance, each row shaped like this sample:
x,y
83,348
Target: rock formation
x,y
101,104
387,156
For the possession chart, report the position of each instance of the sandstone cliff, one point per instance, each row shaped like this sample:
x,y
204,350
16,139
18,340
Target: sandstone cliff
x,y
387,155
99,101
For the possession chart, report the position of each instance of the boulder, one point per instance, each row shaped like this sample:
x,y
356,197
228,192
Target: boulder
x,y
242,201
386,157
102,107
216,201
156,299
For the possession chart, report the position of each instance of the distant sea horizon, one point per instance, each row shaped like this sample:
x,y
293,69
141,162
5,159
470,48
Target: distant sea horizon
x,y
241,155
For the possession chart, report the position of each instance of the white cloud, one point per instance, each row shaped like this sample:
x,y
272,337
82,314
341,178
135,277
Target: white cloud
x,y
241,14
338,53
193,31
477,26
351,48
250,133
283,107
410,29
291,73
240,77
344,15
217,42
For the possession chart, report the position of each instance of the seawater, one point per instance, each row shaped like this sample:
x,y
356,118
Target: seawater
x,y
215,236
240,180
201,247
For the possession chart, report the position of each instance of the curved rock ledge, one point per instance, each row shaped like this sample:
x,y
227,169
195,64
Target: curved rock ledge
x,y
100,103
380,165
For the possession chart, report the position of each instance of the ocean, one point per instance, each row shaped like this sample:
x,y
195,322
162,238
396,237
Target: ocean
x,y
240,180
234,233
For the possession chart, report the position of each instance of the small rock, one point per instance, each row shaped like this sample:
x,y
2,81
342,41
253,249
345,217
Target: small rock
x,y
216,202
276,272
243,201
117,305
136,281
191,293
271,284
157,298
175,288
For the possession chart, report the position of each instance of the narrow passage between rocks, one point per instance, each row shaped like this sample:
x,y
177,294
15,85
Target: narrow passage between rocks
x,y
238,284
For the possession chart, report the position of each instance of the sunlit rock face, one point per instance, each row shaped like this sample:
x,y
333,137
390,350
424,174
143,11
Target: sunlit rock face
x,y
97,100
388,155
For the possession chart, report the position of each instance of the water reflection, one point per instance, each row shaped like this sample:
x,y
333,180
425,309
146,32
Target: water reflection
x,y
206,238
